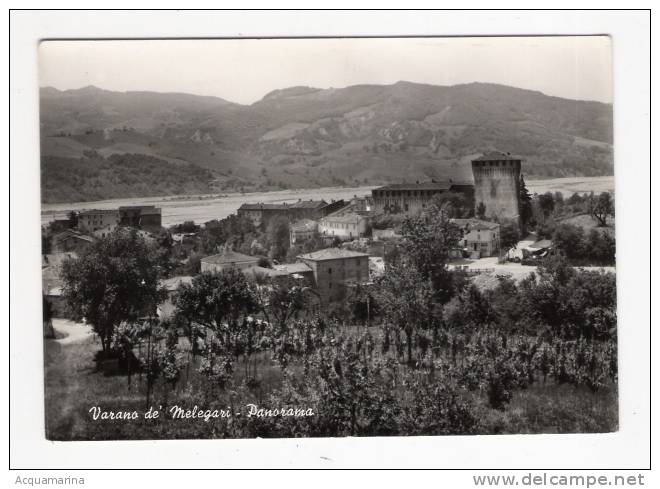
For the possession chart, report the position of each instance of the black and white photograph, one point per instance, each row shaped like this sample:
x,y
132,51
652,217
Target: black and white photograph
x,y
282,240
285,238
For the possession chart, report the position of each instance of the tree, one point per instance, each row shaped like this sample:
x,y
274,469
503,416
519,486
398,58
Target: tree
x,y
454,204
509,235
282,301
481,211
216,301
546,203
116,279
428,239
601,207
186,227
405,298
526,212
362,304
73,219
277,237
569,239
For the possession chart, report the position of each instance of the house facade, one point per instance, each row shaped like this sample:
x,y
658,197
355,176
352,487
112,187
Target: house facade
x,y
348,223
303,230
413,198
141,216
262,213
335,269
480,238
95,219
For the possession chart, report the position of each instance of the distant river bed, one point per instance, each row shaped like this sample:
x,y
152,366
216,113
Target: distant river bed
x,y
202,208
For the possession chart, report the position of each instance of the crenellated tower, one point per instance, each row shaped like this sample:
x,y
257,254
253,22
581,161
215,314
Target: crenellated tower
x,y
497,185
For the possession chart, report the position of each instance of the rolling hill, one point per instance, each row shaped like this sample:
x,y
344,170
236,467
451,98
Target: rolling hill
x,y
308,137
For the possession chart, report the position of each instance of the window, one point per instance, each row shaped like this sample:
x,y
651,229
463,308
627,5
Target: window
x,y
330,271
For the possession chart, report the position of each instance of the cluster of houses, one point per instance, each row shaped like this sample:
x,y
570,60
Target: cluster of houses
x,y
353,252
90,225
330,271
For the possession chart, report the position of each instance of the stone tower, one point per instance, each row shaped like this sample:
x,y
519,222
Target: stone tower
x,y
497,184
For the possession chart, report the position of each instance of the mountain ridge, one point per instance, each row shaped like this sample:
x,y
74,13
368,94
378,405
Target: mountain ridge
x,y
306,136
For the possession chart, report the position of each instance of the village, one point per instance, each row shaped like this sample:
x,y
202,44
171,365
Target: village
x,y
403,280
351,238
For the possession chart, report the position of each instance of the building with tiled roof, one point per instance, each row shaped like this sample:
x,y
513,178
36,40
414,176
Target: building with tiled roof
x,y
476,224
228,259
346,224
480,238
94,219
70,240
261,213
302,230
335,269
414,198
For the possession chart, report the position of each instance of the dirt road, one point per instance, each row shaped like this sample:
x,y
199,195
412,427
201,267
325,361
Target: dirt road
x,y
71,331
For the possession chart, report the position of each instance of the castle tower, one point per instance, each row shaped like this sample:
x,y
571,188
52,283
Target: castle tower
x,y
497,184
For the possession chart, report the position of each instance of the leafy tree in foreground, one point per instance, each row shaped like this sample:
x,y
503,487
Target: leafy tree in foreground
x,y
406,301
426,246
114,280
282,301
216,301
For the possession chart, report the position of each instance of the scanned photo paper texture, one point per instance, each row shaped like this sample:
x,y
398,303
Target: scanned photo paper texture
x,y
328,237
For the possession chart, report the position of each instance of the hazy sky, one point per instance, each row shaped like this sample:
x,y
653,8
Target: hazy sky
x,y
244,71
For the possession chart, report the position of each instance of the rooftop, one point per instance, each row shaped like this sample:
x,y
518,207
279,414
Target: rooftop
x,y
229,257
301,204
290,268
71,233
543,243
98,211
308,204
140,207
265,272
304,225
350,217
497,156
432,185
331,254
475,224
262,206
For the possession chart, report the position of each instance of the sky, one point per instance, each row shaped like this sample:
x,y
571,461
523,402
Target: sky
x,y
245,70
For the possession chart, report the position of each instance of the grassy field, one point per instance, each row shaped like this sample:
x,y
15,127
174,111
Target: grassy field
x,y
73,387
